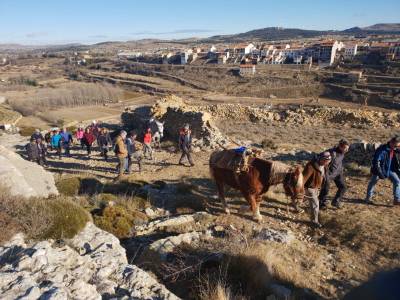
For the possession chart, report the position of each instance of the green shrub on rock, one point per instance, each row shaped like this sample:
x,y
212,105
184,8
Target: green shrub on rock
x,y
118,220
69,186
68,218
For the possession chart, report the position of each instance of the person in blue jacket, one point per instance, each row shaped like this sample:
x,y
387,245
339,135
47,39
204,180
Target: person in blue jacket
x,y
386,164
56,141
66,142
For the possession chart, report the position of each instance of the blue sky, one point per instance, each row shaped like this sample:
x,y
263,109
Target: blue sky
x,y
90,21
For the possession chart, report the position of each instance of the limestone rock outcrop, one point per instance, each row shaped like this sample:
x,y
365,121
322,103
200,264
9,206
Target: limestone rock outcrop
x,y
92,265
23,177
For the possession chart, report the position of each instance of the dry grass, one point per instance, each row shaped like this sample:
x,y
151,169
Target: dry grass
x,y
217,291
354,169
40,218
71,95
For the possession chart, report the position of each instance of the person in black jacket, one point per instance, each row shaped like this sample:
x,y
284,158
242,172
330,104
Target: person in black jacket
x,y
105,143
185,144
385,164
36,151
335,174
32,150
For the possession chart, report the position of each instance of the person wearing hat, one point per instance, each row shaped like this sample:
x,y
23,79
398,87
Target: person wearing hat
x,y
37,135
314,174
185,144
32,150
386,164
335,174
122,153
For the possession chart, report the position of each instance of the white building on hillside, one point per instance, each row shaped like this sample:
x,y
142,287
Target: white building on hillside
x,y
185,56
247,69
350,50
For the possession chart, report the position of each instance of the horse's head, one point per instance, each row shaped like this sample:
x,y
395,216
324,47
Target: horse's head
x,y
160,127
294,185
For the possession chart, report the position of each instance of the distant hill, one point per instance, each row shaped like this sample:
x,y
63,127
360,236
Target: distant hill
x,y
387,27
279,33
270,33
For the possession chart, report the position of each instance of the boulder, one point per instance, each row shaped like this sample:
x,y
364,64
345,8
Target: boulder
x,y
169,222
23,177
167,245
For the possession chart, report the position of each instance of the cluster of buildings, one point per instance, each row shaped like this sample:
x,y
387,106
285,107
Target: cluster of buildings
x,y
324,52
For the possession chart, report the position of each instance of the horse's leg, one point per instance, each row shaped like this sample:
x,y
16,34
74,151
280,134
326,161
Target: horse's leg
x,y
221,194
255,208
258,202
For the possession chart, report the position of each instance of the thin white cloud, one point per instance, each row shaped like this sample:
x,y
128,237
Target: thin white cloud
x,y
33,35
178,31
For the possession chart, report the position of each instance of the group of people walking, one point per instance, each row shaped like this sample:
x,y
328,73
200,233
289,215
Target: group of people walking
x,y
127,147
319,174
129,150
327,168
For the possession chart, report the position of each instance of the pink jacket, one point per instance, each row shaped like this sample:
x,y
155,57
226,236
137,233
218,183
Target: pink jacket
x,y
79,134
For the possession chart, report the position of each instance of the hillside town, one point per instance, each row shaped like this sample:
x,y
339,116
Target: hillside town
x,y
322,53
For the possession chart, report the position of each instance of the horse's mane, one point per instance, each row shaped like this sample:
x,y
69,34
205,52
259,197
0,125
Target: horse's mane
x,y
277,170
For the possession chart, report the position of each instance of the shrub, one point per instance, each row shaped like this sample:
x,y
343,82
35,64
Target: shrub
x,y
69,186
118,220
40,218
68,218
268,144
23,80
354,169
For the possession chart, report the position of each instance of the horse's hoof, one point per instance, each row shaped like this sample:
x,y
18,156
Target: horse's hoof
x,y
227,211
258,218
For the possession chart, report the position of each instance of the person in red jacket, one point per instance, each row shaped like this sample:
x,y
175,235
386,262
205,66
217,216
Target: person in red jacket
x,y
147,143
88,139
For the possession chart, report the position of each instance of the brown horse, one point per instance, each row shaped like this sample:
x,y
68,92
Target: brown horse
x,y
262,174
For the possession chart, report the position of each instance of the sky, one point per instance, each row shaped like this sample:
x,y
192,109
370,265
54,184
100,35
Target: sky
x,y
34,22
